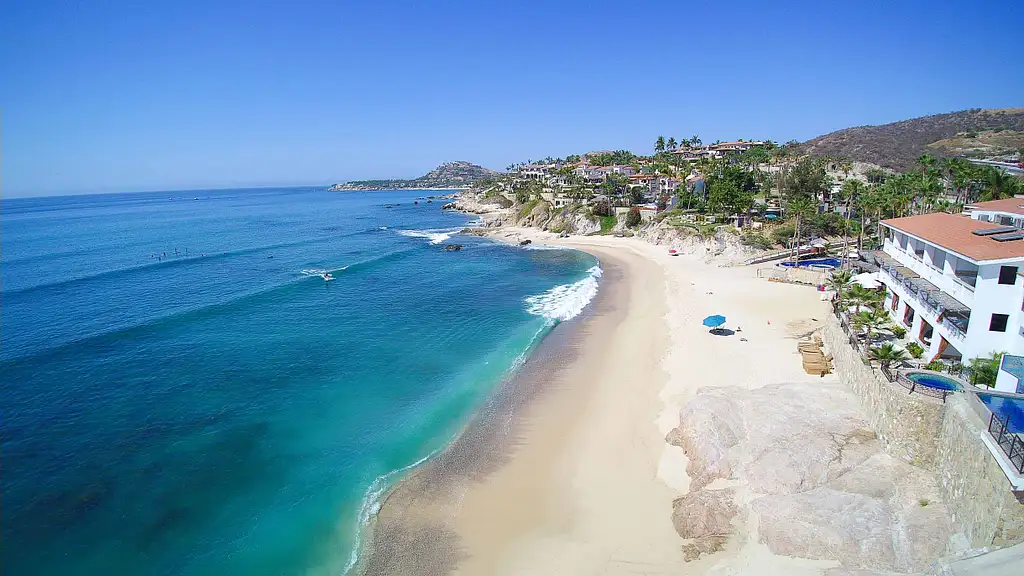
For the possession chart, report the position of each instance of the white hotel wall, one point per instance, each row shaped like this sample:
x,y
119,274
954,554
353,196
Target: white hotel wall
x,y
988,297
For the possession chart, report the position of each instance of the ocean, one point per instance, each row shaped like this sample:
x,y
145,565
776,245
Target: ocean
x,y
182,393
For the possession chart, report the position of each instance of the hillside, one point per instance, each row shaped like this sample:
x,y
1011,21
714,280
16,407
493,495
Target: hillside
x,y
448,175
899,144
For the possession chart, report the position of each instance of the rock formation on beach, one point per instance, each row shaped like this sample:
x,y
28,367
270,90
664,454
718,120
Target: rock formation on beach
x,y
816,479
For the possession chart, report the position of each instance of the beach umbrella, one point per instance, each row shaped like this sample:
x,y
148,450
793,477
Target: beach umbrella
x,y
714,321
673,252
867,280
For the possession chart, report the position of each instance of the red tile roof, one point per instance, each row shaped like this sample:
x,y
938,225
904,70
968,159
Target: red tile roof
x,y
1010,205
953,233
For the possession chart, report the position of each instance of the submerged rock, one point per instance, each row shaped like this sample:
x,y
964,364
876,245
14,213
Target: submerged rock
x,y
525,242
453,247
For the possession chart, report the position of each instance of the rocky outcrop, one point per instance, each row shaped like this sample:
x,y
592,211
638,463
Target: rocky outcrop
x,y
705,519
724,247
822,486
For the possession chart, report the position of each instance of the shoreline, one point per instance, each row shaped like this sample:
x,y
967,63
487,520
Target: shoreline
x,y
465,509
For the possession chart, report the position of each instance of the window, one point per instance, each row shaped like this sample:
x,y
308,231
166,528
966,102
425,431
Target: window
x,y
998,323
1005,220
1008,275
939,259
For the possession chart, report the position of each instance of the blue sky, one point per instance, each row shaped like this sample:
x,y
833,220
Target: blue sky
x,y
103,97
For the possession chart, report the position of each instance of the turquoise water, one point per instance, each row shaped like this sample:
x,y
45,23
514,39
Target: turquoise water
x,y
223,409
934,381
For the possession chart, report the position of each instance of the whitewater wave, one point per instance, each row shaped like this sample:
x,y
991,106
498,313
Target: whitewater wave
x,y
436,235
371,506
542,247
566,301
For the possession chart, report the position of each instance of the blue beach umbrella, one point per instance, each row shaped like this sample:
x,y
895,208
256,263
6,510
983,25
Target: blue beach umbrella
x,y
714,321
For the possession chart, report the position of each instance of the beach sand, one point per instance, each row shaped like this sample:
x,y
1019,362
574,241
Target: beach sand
x,y
567,471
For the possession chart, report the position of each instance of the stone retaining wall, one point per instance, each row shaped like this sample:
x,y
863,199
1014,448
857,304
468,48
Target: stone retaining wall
x,y
976,491
943,438
906,423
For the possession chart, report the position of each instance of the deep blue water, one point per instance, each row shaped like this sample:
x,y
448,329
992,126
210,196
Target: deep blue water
x,y
183,394
833,262
1011,410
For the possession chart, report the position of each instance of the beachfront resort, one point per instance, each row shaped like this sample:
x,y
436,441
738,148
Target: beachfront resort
x,y
922,268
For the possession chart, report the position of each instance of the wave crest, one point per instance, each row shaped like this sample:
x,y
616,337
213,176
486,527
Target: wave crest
x,y
436,235
566,301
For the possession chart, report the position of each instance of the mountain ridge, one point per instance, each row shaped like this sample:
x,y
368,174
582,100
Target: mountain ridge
x,y
449,175
897,145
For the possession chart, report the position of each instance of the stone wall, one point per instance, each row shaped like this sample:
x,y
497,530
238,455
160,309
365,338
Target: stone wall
x,y
945,439
976,491
906,423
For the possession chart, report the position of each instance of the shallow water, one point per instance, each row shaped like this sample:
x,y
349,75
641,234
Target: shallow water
x,y
222,408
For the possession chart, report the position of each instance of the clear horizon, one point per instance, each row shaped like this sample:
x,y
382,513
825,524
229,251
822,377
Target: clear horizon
x,y
194,97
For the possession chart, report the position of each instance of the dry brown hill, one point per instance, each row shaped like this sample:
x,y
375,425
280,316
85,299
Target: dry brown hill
x,y
899,144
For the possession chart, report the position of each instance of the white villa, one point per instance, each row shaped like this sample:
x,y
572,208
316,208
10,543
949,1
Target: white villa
x,y
955,282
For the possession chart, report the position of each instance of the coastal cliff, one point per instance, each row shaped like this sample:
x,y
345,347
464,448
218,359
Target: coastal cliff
x,y
724,245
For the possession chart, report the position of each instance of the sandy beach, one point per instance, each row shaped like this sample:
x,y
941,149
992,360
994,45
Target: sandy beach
x,y
569,471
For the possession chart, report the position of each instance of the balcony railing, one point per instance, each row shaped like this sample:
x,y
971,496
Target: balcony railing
x,y
1011,443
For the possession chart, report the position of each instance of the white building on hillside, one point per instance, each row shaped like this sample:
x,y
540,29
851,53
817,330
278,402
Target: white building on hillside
x,y
1006,212
956,284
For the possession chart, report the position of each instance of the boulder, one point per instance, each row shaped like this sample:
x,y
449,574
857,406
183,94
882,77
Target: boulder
x,y
705,518
525,242
453,247
826,524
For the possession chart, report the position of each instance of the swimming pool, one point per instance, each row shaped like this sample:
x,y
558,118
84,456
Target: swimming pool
x,y
1010,410
934,381
822,262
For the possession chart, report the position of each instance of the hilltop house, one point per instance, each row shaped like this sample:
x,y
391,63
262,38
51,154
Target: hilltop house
x,y
955,283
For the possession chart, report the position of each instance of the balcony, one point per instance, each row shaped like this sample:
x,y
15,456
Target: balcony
x,y
959,286
949,312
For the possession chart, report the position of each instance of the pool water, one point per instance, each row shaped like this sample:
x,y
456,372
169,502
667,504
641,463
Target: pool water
x,y
1010,410
934,381
833,262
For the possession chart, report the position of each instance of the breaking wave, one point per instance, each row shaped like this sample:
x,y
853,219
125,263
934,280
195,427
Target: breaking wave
x,y
566,301
436,236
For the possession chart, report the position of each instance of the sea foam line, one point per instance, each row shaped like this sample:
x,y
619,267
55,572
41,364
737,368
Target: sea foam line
x,y
436,235
371,504
566,301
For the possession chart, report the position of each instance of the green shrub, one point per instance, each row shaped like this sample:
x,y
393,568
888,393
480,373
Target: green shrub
x,y
782,234
756,240
633,218
528,207
936,365
915,349
899,331
607,223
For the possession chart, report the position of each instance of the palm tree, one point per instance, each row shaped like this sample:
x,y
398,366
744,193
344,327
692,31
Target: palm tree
x,y
671,142
925,161
838,282
861,296
850,191
695,140
659,144
870,320
799,208
887,354
999,184
985,370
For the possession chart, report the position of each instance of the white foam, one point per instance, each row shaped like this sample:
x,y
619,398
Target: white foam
x,y
313,271
371,506
566,301
436,235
